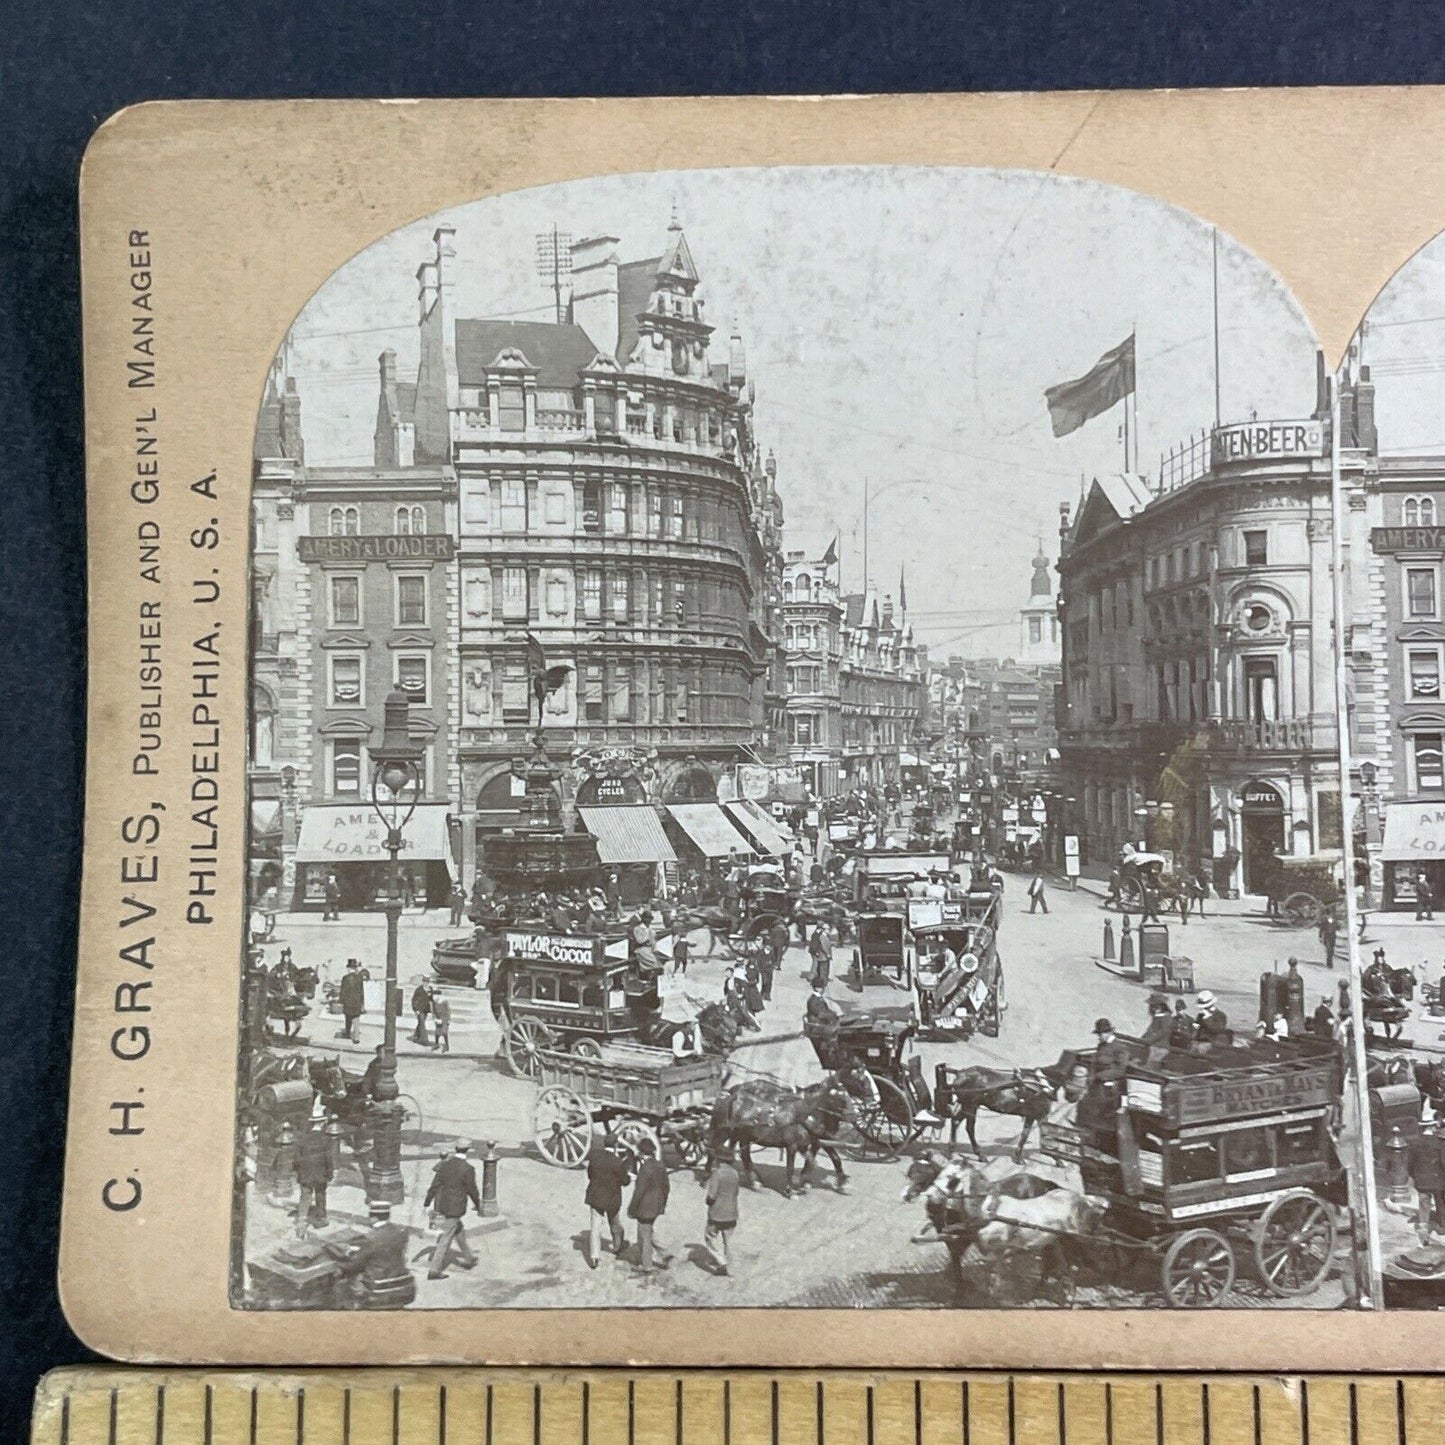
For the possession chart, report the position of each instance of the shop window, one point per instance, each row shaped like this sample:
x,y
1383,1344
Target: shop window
x,y
1420,591
513,408
592,596
411,600
1256,548
346,681
413,671
1424,673
345,593
514,594
345,768
1429,760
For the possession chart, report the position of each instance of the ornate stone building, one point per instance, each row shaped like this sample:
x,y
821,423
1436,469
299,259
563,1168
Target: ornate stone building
x,y
883,691
1198,706
811,617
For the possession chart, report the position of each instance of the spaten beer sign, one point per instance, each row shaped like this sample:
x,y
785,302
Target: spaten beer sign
x,y
1268,441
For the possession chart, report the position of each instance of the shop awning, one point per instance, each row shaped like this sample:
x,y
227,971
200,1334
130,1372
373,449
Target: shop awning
x,y
709,828
630,834
753,821
1414,833
352,833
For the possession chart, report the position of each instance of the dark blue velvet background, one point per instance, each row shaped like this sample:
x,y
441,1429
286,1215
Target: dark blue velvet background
x,y
63,68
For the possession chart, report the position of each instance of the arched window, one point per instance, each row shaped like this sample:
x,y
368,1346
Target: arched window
x,y
403,521
337,524
1419,511
353,522
787,591
805,587
418,522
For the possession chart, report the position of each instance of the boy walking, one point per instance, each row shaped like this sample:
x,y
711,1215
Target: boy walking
x,y
722,1209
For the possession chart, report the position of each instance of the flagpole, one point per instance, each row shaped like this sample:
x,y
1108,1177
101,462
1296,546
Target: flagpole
x,y
1217,417
1134,347
865,535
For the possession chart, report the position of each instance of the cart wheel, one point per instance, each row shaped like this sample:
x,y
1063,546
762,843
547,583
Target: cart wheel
x,y
562,1127
633,1131
888,1124
1294,1242
1198,1270
999,995
585,1048
1301,909
691,1146
525,1040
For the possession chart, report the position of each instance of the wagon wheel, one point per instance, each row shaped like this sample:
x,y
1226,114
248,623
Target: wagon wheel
x,y
526,1038
888,1124
1000,997
562,1127
633,1131
689,1140
1301,909
585,1048
1294,1242
1198,1270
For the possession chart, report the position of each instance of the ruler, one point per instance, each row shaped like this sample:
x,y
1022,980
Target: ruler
x,y
113,1406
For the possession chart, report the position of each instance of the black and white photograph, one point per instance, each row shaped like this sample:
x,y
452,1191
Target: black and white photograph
x,y
793,761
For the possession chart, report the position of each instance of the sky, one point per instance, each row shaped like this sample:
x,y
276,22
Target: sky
x,y
1403,343
901,325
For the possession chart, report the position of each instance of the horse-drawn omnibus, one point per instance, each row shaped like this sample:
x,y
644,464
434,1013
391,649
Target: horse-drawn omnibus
x,y
1214,1162
957,973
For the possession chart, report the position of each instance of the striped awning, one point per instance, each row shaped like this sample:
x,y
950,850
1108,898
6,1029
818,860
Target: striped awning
x,y
630,834
710,829
770,839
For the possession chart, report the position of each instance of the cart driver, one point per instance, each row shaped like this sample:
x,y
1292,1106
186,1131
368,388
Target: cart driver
x,y
1108,1067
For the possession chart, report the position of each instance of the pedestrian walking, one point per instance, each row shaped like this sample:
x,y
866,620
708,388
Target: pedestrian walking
x,y
1360,896
1424,898
722,1209
313,1171
779,936
351,995
1036,891
421,1007
332,910
1148,899
820,950
681,954
441,1013
1426,1163
649,1204
608,1169
458,902
1329,933
453,1185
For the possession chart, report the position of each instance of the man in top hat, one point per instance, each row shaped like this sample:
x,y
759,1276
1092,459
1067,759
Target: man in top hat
x,y
377,1264
820,1024
1111,1058
453,1183
352,997
313,1170
1161,1027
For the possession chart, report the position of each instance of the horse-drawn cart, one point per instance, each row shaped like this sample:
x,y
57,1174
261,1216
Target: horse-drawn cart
x,y
633,1091
1214,1162
878,1039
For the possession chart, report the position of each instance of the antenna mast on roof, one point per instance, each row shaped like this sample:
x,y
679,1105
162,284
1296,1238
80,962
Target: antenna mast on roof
x,y
554,261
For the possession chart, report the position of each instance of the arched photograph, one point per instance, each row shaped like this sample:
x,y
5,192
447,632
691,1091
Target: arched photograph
x,y
793,760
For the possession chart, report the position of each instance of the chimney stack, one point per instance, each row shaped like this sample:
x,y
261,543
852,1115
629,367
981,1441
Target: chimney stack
x,y
887,611
737,358
426,281
594,292
292,445
1365,433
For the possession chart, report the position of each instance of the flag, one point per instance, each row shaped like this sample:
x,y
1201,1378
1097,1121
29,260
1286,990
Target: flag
x,y
902,592
831,555
1108,382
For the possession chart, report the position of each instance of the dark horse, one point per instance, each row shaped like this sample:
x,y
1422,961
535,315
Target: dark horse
x,y
1025,1093
796,1121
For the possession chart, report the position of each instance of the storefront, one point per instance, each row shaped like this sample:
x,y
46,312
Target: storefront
x,y
1414,843
348,842
706,830
1262,826
631,843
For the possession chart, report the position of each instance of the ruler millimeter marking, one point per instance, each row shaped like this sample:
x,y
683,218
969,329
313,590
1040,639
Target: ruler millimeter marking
x,y
113,1406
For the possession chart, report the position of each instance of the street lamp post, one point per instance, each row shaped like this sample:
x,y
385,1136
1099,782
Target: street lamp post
x,y
395,778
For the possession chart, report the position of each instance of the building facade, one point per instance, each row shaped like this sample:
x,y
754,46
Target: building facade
x,y
811,619
882,692
613,504
1198,670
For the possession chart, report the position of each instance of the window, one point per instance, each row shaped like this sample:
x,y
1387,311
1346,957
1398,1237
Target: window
x,y
1425,673
1420,591
1247,1154
346,680
1036,629
514,505
1429,763
621,693
555,511
346,768
1194,1161
591,506
521,985
654,513
592,692
592,595
1256,548
345,601
805,587
410,522
620,596
411,600
803,679
674,517
556,595
513,408
1261,699
413,672
1419,511
1298,1144
617,508
659,593
516,701
802,728
344,522
477,595
514,594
